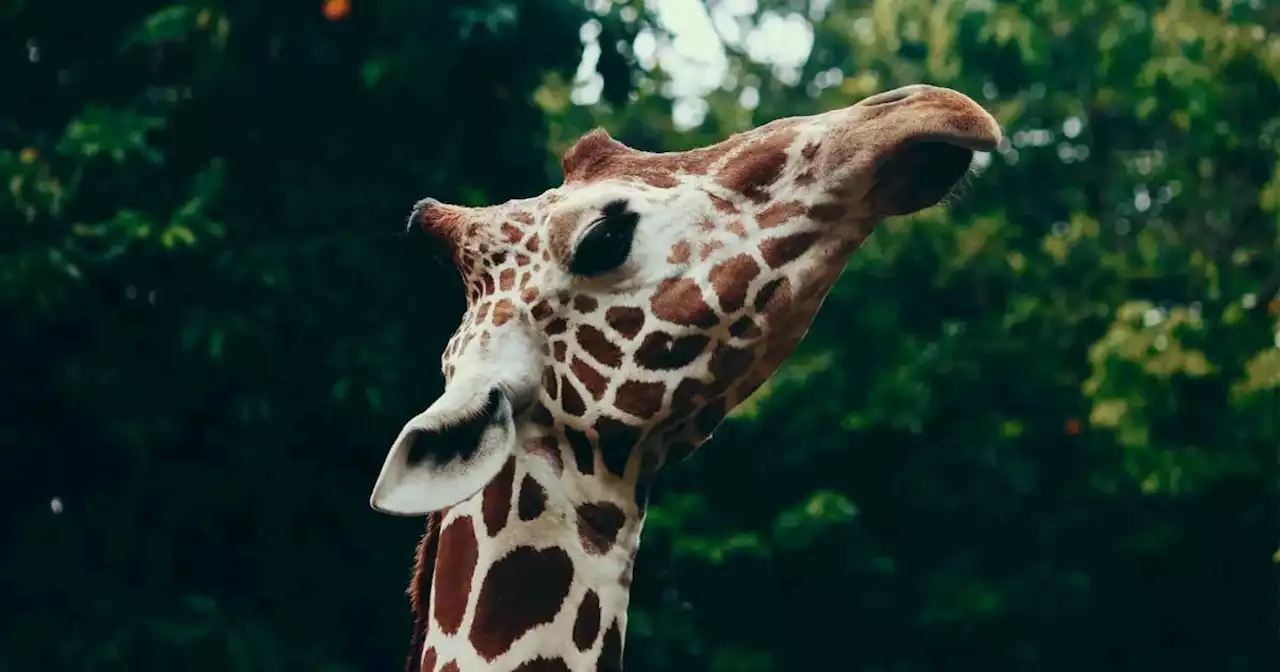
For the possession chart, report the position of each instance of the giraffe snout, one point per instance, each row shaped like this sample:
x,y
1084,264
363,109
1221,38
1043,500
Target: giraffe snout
x,y
926,112
906,149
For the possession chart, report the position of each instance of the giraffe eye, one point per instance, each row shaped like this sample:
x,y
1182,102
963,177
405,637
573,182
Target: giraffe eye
x,y
607,242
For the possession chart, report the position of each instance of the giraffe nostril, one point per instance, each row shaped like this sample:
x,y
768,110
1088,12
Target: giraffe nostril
x,y
887,97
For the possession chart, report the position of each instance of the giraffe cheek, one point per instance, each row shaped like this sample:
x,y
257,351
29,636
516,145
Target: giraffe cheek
x,y
680,301
730,279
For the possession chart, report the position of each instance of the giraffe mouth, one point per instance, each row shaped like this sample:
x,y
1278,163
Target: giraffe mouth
x,y
920,174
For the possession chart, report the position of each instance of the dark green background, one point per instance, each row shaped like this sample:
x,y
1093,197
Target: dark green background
x,y
1038,430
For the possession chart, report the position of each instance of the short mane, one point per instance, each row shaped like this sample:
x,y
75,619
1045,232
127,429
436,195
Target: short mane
x,y
420,590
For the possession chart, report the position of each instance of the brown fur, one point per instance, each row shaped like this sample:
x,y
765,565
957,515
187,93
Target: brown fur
x,y
420,589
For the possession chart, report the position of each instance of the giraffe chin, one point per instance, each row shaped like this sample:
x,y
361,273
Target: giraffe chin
x,y
921,174
448,453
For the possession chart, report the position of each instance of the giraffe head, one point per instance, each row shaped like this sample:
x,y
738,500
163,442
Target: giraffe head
x,y
627,311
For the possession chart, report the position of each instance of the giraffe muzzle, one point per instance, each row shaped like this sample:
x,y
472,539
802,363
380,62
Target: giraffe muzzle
x,y
909,148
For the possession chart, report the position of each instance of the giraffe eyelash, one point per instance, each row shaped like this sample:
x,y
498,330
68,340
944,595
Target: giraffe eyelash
x,y
606,243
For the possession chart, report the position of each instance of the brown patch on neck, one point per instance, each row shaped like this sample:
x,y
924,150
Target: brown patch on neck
x,y
598,526
611,651
753,170
496,502
522,590
424,566
456,564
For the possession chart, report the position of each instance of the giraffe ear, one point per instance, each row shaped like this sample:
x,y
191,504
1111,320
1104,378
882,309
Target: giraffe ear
x,y
447,453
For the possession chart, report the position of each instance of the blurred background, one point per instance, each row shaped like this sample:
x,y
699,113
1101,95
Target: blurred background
x,y
1037,430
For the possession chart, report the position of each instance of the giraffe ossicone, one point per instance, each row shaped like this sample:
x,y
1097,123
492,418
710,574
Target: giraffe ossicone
x,y
611,324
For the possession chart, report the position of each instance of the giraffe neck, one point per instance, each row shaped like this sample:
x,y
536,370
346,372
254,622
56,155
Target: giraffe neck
x,y
534,572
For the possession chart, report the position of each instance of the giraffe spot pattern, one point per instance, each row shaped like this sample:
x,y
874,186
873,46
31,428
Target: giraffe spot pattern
x,y
560,350
540,578
727,365
611,651
757,167
780,213
450,666
626,320
495,504
684,399
570,400
617,438
455,564
828,213
598,526
598,345
533,499
503,311
507,279
744,327
680,253
590,378
680,301
586,625
541,310
730,279
583,456
550,382
723,206
660,352
429,660
640,398
783,249
585,304
773,302
710,249
543,665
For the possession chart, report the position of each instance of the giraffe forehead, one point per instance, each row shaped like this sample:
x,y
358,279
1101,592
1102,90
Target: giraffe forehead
x,y
742,163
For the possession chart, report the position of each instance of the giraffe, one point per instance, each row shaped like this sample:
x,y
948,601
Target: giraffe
x,y
611,324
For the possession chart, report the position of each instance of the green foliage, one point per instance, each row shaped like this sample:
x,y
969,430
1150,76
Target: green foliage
x,y
1036,430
